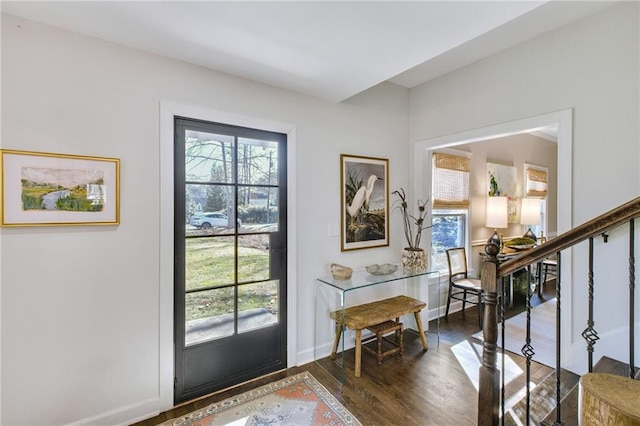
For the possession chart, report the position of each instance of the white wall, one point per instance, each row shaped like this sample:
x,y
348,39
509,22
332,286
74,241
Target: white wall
x,y
592,67
80,305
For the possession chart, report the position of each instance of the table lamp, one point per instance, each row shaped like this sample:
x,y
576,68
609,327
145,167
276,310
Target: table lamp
x,y
496,217
530,215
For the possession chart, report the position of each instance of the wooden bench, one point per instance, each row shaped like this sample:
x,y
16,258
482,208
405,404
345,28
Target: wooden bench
x,y
371,314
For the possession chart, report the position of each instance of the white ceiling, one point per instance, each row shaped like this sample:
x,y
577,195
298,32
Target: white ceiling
x,y
332,50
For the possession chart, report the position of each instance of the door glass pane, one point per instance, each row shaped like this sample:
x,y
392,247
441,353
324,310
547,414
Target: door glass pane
x,y
257,305
253,258
257,162
258,209
209,315
209,262
208,157
210,209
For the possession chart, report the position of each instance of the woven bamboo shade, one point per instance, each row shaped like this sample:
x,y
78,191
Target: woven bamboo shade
x,y
450,181
536,183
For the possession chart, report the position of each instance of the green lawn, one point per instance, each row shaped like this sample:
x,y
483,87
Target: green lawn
x,y
210,262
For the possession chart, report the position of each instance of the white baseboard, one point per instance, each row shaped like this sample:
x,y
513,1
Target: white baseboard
x,y
306,356
324,350
124,415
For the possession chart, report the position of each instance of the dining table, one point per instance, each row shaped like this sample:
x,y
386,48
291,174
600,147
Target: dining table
x,y
508,253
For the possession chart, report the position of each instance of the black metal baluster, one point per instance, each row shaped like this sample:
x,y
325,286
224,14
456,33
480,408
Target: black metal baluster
x,y
558,421
589,334
632,299
502,369
527,349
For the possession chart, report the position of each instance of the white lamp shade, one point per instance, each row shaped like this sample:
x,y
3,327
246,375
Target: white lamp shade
x,y
530,211
497,214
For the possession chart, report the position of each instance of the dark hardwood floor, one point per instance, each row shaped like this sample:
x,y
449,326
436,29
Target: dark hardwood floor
x,y
420,388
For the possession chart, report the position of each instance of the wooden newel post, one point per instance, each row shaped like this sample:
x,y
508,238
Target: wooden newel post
x,y
489,391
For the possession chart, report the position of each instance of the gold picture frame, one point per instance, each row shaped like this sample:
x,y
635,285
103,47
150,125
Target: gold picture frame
x,y
364,186
45,189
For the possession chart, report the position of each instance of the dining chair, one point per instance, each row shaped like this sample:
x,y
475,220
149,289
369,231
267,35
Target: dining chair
x,y
548,268
461,287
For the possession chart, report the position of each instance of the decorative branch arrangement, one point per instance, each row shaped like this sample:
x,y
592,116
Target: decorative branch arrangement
x,y
412,236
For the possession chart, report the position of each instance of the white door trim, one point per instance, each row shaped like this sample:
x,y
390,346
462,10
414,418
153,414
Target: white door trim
x,y
169,110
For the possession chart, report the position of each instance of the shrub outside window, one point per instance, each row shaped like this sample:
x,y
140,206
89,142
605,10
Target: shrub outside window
x,y
448,231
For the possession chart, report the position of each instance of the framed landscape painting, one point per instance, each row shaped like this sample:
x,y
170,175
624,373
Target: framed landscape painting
x,y
364,202
43,189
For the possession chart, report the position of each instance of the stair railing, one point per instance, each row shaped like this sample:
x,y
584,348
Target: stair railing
x,y
490,395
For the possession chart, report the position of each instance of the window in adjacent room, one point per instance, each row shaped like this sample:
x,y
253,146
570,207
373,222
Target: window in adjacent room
x,y
450,189
536,180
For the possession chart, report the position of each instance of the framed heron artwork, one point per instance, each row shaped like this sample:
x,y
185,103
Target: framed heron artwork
x,y
364,186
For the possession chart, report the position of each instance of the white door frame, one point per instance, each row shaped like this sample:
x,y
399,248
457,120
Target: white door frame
x,y
564,122
168,111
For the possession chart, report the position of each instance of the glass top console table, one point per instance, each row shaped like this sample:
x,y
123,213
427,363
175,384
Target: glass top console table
x,y
333,297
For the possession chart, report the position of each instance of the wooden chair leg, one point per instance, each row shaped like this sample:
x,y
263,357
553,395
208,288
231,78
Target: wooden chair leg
x,y
540,280
446,312
464,300
379,341
546,270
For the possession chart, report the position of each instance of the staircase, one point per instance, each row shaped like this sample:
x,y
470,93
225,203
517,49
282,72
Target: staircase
x,y
555,400
569,403
543,399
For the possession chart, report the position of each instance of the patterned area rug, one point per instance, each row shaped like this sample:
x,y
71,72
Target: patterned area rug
x,y
298,400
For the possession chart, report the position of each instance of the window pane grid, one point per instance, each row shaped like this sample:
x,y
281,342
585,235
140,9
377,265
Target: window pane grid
x,y
448,231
